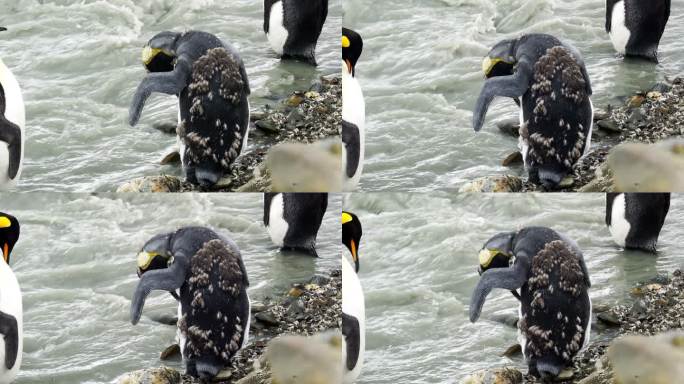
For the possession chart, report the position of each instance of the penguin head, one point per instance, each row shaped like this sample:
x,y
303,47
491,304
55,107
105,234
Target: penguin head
x,y
497,252
500,60
351,235
9,234
155,254
352,46
159,54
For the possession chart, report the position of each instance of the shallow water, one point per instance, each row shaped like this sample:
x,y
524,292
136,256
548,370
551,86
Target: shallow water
x,y
75,262
419,265
78,63
421,74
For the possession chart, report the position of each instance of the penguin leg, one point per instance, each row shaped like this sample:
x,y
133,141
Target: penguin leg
x,y
506,86
505,278
10,332
168,279
352,336
170,83
11,134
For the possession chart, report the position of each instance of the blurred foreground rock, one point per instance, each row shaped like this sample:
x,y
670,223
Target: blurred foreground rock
x,y
306,360
648,167
306,167
648,360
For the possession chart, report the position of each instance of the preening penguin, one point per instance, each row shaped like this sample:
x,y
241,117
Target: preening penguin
x,y
353,112
555,310
11,325
210,80
556,116
208,271
294,26
293,219
353,306
635,219
635,27
12,121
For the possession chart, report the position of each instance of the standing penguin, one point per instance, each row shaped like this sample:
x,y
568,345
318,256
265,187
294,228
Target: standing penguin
x,y
353,306
556,116
12,121
210,80
635,27
353,112
294,26
555,309
11,325
208,271
635,219
293,219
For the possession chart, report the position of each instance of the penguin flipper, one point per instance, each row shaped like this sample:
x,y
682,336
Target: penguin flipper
x,y
170,83
505,278
352,336
168,279
512,86
352,143
10,331
11,134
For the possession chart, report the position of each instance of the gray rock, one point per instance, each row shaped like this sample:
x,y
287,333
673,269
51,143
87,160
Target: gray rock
x,y
494,184
152,184
161,375
267,318
609,125
510,127
495,376
609,319
514,158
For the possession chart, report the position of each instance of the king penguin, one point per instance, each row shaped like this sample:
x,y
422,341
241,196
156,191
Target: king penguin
x,y
353,112
11,325
293,219
12,121
353,306
635,27
207,270
550,81
210,80
555,309
635,219
294,26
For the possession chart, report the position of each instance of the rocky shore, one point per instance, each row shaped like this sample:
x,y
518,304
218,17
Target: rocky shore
x,y
307,309
648,117
641,341
303,117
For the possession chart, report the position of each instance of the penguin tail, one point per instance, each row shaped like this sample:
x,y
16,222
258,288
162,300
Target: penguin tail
x,y
548,370
207,370
206,177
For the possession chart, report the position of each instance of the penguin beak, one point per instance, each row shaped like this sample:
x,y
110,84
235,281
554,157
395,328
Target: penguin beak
x,y
349,65
5,252
355,256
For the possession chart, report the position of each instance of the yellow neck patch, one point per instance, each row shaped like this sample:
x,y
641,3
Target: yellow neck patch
x,y
345,42
489,64
145,259
149,53
346,218
5,222
486,256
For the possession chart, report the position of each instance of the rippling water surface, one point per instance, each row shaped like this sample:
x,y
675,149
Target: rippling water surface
x,y
421,74
419,266
75,262
78,63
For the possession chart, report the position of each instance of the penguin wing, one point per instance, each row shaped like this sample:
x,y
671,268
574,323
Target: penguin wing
x,y
268,197
10,332
170,83
168,279
351,139
352,336
609,14
11,134
512,86
505,278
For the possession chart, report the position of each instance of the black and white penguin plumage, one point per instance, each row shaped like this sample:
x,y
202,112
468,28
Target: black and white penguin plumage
x,y
11,323
207,270
293,219
353,112
549,271
210,80
635,219
294,26
635,27
353,305
12,122
556,116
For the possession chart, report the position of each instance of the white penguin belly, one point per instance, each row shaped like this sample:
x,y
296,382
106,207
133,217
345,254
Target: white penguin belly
x,y
353,111
619,226
243,147
10,303
277,226
245,338
587,336
180,335
179,140
587,145
619,34
523,145
353,305
277,34
14,112
522,340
